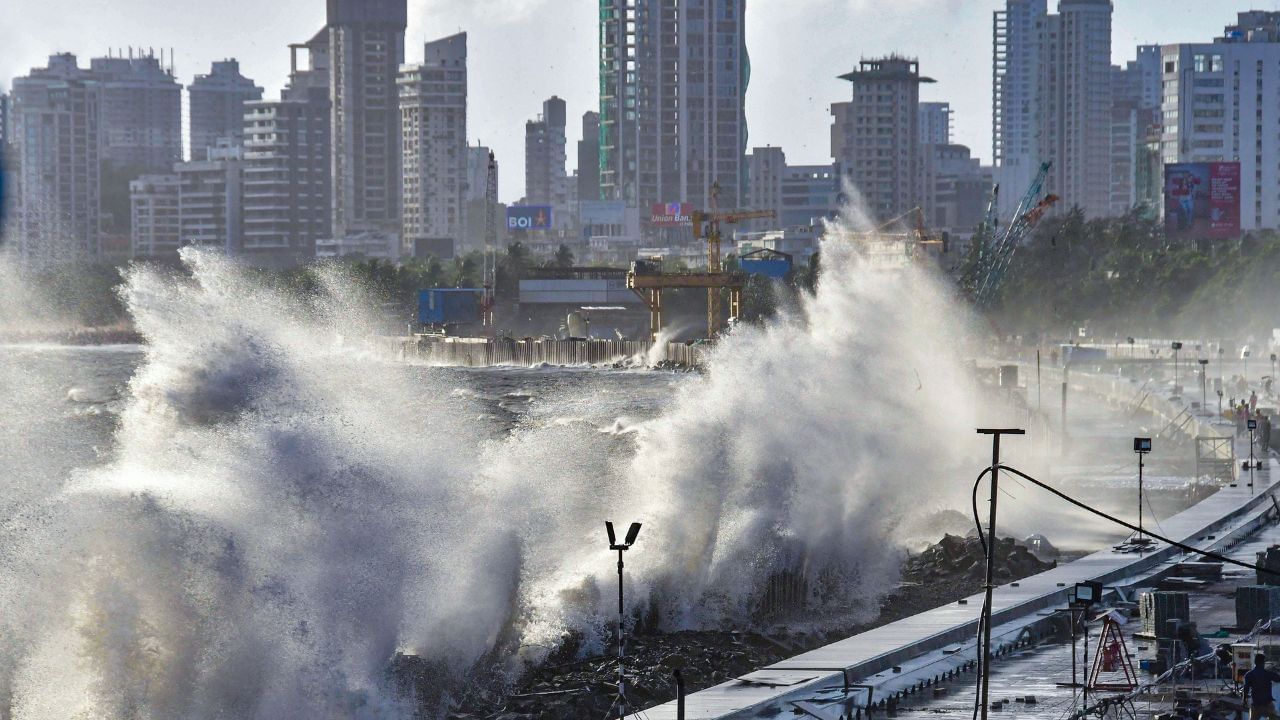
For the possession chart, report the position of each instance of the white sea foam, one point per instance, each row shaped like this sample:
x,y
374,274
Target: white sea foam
x,y
282,513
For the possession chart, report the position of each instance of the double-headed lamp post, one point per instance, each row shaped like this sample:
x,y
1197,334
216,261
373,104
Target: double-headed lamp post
x,y
621,547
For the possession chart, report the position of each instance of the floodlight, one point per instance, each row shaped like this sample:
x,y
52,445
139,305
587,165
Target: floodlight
x,y
1087,593
1142,445
1177,345
1253,424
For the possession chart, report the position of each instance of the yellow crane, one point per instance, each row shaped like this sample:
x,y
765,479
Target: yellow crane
x,y
706,226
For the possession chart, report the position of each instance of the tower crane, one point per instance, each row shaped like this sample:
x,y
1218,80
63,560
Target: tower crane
x,y
985,277
706,226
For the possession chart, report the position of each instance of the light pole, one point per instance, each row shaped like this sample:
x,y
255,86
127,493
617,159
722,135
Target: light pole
x,y
1176,347
995,434
1204,395
1253,426
621,701
1141,446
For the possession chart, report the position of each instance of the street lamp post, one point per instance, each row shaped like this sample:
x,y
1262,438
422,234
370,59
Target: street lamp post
x,y
1204,395
621,547
1176,347
1141,446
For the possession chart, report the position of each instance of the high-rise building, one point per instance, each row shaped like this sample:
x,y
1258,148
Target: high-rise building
x,y
210,198
766,168
589,158
1222,104
366,45
287,187
875,140
810,194
141,114
5,133
433,122
957,189
216,106
673,82
156,226
476,200
56,147
478,172
544,155
1051,100
935,123
1135,123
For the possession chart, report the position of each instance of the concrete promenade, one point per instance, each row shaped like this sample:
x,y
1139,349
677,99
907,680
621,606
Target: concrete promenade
x,y
903,657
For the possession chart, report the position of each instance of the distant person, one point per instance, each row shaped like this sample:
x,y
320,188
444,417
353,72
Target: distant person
x,y
1253,401
1257,689
1264,432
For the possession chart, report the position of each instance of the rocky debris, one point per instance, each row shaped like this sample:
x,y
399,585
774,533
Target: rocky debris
x,y
955,558
566,686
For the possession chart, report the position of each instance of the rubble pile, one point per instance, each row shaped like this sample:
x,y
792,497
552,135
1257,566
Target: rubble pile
x,y
571,687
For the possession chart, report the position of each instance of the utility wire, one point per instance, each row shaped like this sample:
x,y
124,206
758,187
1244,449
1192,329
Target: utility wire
x,y
987,548
1106,516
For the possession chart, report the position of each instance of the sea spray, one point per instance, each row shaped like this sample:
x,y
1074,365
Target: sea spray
x,y
282,513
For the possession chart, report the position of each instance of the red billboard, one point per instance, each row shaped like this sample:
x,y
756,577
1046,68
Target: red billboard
x,y
1202,200
671,214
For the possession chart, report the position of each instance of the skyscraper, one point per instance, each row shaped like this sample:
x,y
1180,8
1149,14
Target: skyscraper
x,y
141,114
544,155
589,158
766,169
56,142
216,106
1222,104
1051,100
210,198
433,123
156,228
673,82
366,45
287,188
875,140
935,123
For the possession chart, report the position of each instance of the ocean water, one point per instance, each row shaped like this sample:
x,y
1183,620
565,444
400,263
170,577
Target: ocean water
x,y
251,515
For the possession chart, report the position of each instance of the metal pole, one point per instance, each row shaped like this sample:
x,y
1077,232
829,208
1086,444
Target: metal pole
x,y
990,573
1065,375
991,561
1085,661
679,694
1075,683
1141,534
622,641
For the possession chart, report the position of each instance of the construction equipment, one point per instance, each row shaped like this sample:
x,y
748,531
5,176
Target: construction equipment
x,y
490,248
985,276
706,226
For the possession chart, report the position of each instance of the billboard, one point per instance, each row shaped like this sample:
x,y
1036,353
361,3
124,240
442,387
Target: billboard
x,y
529,217
1202,200
671,214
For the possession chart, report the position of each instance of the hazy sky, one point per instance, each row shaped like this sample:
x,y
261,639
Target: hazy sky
x,y
523,51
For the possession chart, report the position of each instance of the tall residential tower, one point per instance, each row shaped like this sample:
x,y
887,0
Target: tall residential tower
x,y
673,83
366,45
433,125
216,106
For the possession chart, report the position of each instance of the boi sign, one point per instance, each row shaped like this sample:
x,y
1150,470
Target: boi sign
x,y
529,217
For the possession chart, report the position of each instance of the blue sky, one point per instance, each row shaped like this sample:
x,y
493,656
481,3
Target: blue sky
x,y
523,51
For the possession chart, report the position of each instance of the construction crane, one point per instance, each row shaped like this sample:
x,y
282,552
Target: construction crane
x,y
985,277
706,226
487,302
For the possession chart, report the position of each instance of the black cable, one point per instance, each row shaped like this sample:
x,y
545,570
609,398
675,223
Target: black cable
x,y
1130,526
1083,506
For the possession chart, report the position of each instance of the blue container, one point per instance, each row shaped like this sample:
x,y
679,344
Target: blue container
x,y
449,306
